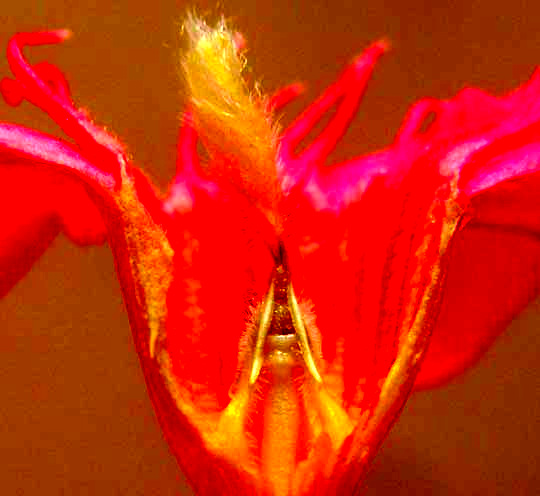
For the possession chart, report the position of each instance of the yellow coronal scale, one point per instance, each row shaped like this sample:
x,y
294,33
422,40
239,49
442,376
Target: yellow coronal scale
x,y
232,122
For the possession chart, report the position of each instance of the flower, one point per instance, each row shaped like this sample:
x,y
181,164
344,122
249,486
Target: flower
x,y
282,310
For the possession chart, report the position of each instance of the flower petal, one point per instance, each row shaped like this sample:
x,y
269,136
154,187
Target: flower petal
x,y
44,86
345,94
136,222
36,206
18,143
493,275
494,270
361,228
462,174
222,265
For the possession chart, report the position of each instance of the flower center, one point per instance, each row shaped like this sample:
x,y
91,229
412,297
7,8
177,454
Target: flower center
x,y
281,315
284,386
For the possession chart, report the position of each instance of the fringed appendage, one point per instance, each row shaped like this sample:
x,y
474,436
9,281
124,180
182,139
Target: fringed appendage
x,y
233,123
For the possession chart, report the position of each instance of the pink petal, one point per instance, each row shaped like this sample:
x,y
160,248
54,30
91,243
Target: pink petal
x,y
19,143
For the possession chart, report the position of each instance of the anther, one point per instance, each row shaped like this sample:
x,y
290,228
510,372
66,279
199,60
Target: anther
x,y
302,336
264,326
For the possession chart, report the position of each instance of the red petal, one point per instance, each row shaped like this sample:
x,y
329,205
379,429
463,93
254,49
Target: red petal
x,y
35,207
284,96
28,225
222,267
491,145
493,275
494,269
346,94
45,87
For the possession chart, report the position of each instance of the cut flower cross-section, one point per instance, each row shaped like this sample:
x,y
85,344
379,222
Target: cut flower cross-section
x,y
283,309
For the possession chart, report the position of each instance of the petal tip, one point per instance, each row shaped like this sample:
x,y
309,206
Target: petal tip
x,y
63,34
371,54
11,92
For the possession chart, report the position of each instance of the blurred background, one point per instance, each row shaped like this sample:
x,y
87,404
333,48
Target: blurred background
x,y
74,415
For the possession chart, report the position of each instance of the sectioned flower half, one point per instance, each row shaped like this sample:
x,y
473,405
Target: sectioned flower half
x,y
282,308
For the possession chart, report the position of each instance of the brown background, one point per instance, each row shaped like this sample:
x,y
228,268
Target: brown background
x,y
74,416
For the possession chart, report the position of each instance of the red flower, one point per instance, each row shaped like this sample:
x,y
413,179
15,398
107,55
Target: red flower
x,y
282,309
